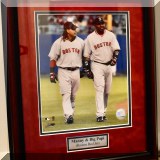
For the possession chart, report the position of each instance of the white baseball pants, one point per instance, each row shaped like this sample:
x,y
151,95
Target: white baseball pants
x,y
69,82
102,83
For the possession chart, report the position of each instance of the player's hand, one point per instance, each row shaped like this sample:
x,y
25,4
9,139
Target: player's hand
x,y
113,61
90,74
53,77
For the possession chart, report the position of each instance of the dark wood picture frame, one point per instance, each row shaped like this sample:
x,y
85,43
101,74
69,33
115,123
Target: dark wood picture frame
x,y
14,91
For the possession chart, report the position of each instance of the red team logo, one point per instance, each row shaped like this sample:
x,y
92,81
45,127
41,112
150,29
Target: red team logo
x,y
102,45
71,50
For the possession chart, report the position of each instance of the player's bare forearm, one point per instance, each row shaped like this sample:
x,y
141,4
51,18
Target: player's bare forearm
x,y
86,59
52,63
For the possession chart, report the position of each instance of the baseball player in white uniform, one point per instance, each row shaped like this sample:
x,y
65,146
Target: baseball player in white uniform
x,y
66,53
101,53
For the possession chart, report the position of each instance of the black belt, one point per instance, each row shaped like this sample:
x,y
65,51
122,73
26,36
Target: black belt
x,y
70,68
107,63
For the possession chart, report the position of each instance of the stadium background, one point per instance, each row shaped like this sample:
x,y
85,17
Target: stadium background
x,y
50,28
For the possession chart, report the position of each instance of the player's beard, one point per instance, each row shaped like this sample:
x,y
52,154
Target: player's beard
x,y
100,30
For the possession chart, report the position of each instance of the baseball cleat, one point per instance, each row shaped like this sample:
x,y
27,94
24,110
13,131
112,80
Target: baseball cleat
x,y
100,119
50,118
50,125
47,118
104,118
69,120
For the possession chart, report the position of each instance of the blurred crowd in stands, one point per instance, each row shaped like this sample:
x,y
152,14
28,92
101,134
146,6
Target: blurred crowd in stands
x,y
53,24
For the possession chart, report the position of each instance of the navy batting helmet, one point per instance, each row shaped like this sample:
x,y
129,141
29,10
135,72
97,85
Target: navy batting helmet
x,y
98,20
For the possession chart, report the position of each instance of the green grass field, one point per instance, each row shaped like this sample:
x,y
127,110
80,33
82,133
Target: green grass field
x,y
84,118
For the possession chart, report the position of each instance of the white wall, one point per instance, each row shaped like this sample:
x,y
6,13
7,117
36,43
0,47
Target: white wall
x,y
4,147
157,34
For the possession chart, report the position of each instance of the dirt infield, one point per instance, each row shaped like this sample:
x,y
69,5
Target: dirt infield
x,y
123,105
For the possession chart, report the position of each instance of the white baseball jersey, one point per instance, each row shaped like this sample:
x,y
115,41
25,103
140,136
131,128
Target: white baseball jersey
x,y
101,47
67,53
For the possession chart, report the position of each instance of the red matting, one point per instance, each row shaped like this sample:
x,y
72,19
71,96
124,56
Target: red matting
x,y
121,141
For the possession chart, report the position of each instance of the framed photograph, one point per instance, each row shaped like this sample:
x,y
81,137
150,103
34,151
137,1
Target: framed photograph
x,y
49,27
83,114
